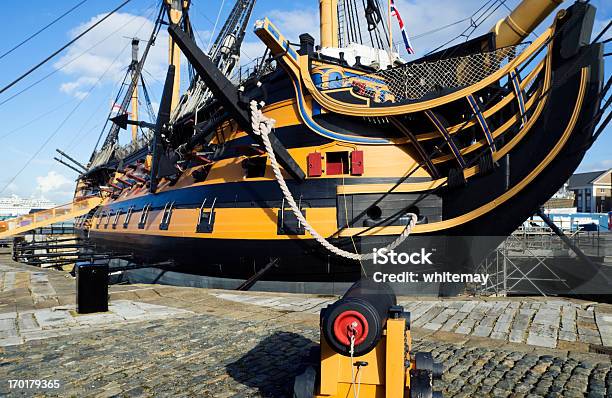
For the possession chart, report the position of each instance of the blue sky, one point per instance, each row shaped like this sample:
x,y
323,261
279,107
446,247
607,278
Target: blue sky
x,y
42,112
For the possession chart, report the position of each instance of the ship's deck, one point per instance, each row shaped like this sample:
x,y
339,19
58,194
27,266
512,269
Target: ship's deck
x,y
175,341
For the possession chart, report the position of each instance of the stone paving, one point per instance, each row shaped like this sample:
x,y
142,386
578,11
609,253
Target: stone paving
x,y
551,323
16,328
211,356
169,341
30,310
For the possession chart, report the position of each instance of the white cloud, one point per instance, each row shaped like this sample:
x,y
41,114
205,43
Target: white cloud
x,y
108,40
295,22
53,182
291,23
79,88
250,50
419,17
12,188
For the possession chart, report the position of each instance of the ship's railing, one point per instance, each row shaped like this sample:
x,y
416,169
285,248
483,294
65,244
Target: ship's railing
x,y
101,157
256,68
415,80
122,152
105,155
47,217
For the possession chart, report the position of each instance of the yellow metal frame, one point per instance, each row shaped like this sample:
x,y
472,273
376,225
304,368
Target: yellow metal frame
x,y
44,218
385,376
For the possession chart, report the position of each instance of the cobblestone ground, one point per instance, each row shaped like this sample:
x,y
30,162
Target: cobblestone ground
x,y
211,356
544,322
169,341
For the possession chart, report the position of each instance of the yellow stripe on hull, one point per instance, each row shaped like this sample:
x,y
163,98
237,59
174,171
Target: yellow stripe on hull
x,y
230,223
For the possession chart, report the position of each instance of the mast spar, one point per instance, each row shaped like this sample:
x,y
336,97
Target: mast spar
x,y
329,23
527,15
135,42
175,14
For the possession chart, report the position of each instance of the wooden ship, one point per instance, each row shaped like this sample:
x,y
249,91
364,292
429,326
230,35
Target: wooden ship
x,y
457,147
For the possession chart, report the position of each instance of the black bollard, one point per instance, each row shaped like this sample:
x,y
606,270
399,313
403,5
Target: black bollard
x,y
91,288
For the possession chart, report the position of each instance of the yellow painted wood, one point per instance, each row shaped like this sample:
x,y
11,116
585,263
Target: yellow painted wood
x,y
336,377
394,361
174,52
472,171
230,223
525,17
328,11
382,188
489,112
498,132
383,377
512,192
364,110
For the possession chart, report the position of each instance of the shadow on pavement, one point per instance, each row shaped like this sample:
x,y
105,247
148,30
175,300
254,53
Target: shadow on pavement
x,y
272,365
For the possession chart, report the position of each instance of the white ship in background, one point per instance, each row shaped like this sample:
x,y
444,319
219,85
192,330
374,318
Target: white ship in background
x,y
16,206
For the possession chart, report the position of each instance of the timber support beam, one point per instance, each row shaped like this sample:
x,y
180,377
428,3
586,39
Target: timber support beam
x,y
227,94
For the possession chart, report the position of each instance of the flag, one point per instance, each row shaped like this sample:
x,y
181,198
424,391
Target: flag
x,y
117,109
395,13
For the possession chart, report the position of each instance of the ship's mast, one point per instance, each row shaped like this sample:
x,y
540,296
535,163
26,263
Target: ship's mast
x,y
328,10
133,66
175,12
225,51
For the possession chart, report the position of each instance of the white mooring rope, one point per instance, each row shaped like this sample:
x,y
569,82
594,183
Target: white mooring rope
x,y
262,126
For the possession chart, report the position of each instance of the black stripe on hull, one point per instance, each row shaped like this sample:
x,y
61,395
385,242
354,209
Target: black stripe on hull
x,y
532,150
305,260
266,194
299,260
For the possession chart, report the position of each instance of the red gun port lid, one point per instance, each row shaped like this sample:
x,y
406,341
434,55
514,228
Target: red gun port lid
x,y
348,323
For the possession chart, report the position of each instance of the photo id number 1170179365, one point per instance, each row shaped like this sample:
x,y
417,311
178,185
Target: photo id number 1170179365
x,y
22,384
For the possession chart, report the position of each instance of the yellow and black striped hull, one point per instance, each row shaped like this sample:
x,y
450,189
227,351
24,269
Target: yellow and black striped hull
x,y
249,222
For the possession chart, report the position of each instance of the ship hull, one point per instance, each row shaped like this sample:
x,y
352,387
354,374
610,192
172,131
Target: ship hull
x,y
473,218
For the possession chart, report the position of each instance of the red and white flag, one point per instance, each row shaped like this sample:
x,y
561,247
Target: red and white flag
x,y
395,13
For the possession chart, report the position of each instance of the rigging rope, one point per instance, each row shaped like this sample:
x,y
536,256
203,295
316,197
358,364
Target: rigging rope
x,y
262,126
48,75
33,35
39,150
475,21
212,34
37,118
44,61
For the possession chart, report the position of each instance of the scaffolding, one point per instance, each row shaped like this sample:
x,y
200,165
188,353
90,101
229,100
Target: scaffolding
x,y
527,261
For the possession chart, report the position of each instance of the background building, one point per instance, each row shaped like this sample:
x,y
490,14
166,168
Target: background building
x,y
592,191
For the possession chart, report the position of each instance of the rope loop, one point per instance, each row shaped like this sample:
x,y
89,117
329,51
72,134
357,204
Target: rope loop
x,y
262,126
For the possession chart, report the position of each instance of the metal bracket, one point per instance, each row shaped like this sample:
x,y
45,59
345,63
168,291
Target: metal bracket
x,y
167,213
108,217
206,220
143,216
100,217
128,216
287,223
116,220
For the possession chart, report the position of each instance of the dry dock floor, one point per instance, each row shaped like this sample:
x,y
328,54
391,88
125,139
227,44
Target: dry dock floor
x,y
176,341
